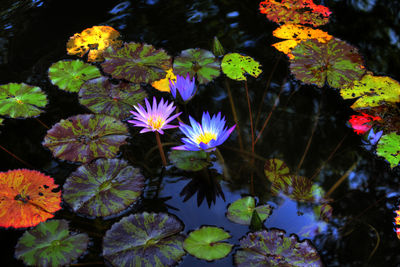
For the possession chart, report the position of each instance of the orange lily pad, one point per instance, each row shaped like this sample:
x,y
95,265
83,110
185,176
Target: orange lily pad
x,y
163,84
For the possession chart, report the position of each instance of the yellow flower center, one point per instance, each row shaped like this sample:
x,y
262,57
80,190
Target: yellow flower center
x,y
155,122
206,137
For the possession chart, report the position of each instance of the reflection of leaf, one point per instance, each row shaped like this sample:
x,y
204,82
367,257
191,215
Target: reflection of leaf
x,y
95,39
69,75
373,91
198,62
360,123
101,96
334,62
189,160
27,198
241,211
298,188
137,63
205,244
50,244
103,188
145,239
163,84
86,137
295,12
273,248
389,148
235,65
21,100
275,169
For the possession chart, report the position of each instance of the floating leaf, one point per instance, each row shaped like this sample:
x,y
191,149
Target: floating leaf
x,y
334,62
137,63
389,112
218,49
205,244
69,75
145,239
86,137
373,91
196,61
101,96
241,211
397,222
361,123
275,169
163,84
95,40
189,160
21,100
295,12
273,248
295,34
27,198
50,244
103,188
256,224
389,148
235,66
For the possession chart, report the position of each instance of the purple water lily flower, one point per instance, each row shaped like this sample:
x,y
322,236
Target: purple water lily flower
x,y
155,118
185,87
205,136
373,138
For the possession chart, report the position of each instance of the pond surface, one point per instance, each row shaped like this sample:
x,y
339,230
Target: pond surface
x,y
360,231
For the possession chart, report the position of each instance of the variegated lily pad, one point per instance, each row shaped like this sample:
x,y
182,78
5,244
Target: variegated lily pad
x,y
50,244
273,248
86,137
235,65
145,239
389,148
275,169
242,210
103,188
189,160
101,96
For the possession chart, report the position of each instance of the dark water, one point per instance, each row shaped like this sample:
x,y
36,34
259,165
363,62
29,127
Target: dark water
x,y
34,35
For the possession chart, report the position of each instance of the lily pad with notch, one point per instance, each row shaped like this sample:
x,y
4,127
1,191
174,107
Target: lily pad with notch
x,y
389,148
235,65
241,211
189,160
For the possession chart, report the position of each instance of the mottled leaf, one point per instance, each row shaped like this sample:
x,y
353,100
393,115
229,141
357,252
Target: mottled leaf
x,y
101,96
21,100
103,187
273,248
199,62
389,148
137,63
275,169
205,244
145,239
69,75
50,244
334,62
397,222
27,198
242,210
86,137
189,160
235,65
163,84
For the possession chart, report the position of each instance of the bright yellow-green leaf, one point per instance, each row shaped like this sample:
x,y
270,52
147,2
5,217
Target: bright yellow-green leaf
x,y
235,66
389,148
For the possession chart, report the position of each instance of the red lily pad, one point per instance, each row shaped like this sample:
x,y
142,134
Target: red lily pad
x,y
362,123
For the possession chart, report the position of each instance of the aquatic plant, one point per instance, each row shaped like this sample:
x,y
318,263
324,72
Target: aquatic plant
x,y
185,87
235,65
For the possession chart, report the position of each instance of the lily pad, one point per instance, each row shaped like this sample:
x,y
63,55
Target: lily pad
x,y
145,239
137,63
21,100
85,137
101,96
275,169
205,244
242,210
235,65
273,248
196,61
69,75
50,244
103,187
372,91
163,84
389,148
189,160
334,62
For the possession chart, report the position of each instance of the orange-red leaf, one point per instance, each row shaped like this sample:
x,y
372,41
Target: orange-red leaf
x,y
163,84
360,124
27,198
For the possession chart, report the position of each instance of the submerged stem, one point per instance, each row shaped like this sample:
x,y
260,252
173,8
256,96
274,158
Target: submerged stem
x,y
252,138
17,158
160,148
341,180
235,118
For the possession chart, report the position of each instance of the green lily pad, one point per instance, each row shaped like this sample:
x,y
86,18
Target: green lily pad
x,y
21,100
136,62
334,62
103,187
373,91
235,66
273,248
205,244
196,61
188,160
256,224
389,148
145,239
85,137
69,75
101,96
242,210
275,169
50,244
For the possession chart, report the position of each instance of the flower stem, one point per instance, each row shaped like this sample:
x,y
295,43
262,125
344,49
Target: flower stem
x,y
252,138
17,158
160,148
235,118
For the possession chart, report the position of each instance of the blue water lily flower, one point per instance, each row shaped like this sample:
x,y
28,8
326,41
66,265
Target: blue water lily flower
x,y
185,87
205,136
